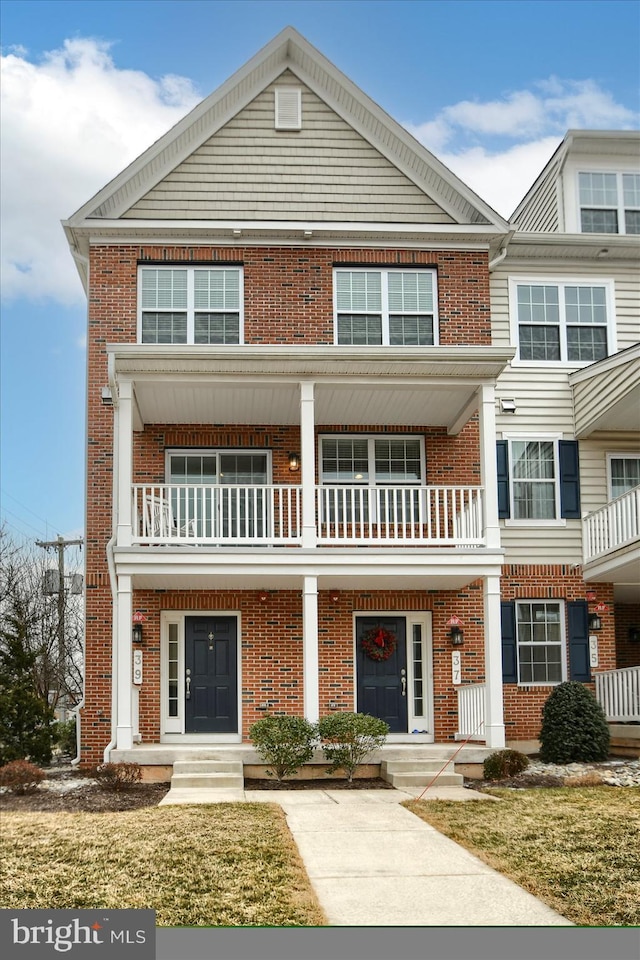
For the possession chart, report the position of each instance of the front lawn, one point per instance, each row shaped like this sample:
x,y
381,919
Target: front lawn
x,y
578,849
220,865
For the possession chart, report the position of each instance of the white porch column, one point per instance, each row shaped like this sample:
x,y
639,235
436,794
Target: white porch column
x,y
493,713
123,438
310,649
308,458
488,465
123,676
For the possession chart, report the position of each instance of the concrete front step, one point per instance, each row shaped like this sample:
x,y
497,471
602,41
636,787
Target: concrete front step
x,y
207,775
419,773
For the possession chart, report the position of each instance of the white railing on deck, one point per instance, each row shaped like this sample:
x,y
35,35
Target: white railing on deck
x,y
471,700
446,516
618,693
196,513
272,514
612,526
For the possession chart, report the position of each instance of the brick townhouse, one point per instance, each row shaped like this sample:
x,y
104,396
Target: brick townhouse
x,y
301,354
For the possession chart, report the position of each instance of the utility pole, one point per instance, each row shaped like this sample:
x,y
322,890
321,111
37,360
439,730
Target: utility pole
x,y
59,544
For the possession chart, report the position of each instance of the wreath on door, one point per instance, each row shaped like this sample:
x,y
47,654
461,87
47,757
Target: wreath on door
x,y
379,644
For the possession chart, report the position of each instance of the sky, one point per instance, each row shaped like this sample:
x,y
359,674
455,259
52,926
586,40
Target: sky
x,y
489,87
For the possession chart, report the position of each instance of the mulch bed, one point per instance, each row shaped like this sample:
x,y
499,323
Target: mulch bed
x,y
360,783
86,797
519,782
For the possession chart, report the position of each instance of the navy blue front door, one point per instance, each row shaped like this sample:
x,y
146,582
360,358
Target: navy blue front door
x,y
382,684
211,675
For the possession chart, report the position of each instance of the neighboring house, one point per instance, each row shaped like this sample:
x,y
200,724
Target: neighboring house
x,y
567,296
294,343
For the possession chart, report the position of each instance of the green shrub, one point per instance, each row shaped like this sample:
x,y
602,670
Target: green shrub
x,y
348,738
20,776
118,776
285,743
574,727
65,731
503,764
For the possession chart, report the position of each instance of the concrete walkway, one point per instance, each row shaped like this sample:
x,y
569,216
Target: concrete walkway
x,y
373,863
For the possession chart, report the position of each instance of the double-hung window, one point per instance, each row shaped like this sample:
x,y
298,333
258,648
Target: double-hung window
x,y
562,321
385,307
371,478
540,642
201,305
538,479
609,202
624,473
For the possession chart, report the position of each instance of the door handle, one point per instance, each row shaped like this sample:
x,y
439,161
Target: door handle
x,y
404,686
188,687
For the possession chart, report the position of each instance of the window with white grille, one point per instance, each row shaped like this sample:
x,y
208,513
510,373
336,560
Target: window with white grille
x,y
201,305
385,307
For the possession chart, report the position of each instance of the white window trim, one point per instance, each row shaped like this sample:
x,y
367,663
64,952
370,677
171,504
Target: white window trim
x,y
620,208
190,309
558,521
371,439
560,282
563,641
621,455
214,452
172,729
384,275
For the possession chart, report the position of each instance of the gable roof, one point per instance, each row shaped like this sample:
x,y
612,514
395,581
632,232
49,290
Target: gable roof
x,y
290,51
613,143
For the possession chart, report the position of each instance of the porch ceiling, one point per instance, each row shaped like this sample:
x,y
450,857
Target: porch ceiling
x,y
432,386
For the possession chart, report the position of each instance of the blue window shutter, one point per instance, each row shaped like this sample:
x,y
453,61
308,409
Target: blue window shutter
x,y
503,478
569,479
509,657
578,620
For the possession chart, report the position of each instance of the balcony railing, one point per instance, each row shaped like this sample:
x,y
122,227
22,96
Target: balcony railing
x,y
618,693
612,526
471,697
272,515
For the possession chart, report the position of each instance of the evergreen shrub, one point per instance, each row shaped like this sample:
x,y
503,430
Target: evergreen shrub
x,y
574,727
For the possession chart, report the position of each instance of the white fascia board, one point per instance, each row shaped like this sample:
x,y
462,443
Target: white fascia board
x,y
608,363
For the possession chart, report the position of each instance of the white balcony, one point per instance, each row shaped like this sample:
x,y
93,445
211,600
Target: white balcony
x,y
271,515
611,541
618,693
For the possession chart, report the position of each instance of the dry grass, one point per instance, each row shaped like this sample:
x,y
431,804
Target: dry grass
x,y
218,865
578,849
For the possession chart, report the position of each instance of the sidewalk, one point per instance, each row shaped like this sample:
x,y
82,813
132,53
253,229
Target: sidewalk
x,y
373,863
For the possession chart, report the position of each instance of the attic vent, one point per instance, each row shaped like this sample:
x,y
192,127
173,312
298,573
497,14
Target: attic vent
x,y
288,108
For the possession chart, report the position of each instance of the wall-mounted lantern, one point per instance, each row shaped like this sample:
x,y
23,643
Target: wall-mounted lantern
x,y
456,636
294,462
595,623
136,632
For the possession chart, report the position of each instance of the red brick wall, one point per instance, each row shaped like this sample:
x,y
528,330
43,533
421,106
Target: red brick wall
x,y
523,705
627,615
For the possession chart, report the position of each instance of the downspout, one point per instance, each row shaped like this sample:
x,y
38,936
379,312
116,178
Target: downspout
x,y
503,252
80,258
111,564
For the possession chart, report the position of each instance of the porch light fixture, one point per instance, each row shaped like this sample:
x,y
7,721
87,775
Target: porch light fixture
x,y
334,596
262,596
294,462
136,633
595,623
507,405
456,636
634,634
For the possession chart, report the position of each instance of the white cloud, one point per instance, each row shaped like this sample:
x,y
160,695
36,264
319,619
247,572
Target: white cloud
x,y
500,146
70,123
